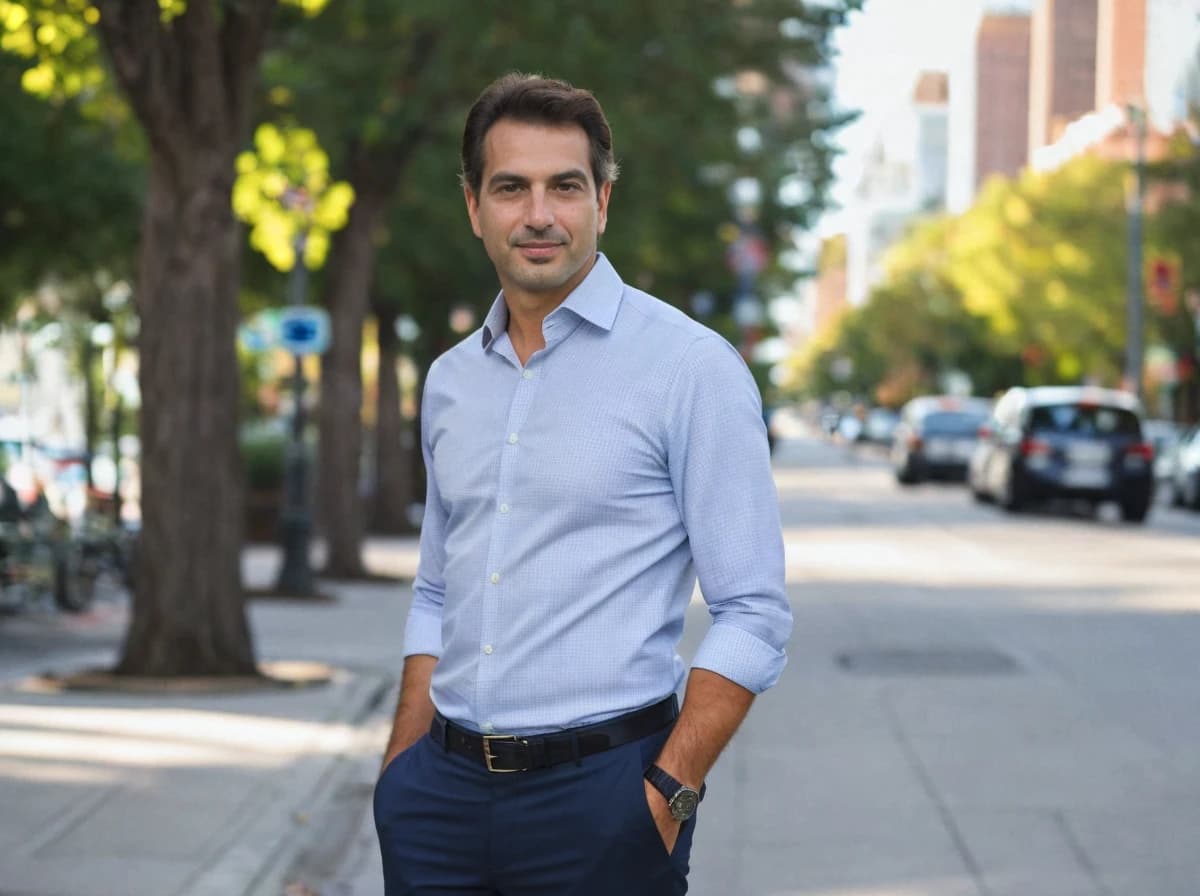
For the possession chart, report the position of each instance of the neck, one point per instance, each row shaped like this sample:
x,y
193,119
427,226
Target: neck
x,y
525,327
528,310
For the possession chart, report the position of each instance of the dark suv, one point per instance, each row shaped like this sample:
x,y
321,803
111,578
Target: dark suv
x,y
1074,442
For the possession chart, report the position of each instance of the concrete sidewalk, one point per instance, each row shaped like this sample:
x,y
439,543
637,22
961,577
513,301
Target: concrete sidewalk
x,y
219,795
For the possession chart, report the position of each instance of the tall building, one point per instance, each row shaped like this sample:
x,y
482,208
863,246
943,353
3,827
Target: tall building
x,y
884,203
1120,52
1002,95
1148,54
830,284
904,175
1062,67
931,99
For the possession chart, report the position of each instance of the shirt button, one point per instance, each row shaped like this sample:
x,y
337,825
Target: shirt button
x,y
495,577
527,374
504,508
487,648
512,438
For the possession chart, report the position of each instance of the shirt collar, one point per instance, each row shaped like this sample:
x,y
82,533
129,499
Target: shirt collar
x,y
597,300
496,321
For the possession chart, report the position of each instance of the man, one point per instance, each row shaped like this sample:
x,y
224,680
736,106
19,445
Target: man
x,y
591,451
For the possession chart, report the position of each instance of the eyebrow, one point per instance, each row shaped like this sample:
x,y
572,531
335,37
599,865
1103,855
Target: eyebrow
x,y
505,177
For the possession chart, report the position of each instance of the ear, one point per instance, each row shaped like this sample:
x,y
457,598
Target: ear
x,y
602,196
472,209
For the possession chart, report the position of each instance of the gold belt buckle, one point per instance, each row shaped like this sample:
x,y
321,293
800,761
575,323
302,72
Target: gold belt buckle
x,y
487,752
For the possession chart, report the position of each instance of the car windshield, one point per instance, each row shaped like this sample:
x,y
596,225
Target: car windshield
x,y
952,423
1084,420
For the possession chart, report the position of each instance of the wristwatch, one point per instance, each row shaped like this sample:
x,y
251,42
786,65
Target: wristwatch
x,y
682,799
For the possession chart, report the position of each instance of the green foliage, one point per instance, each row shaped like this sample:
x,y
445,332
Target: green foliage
x,y
1027,286
1043,259
1175,321
69,195
61,53
283,189
264,455
387,87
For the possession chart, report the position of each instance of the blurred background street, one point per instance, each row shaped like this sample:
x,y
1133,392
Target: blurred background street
x,y
957,243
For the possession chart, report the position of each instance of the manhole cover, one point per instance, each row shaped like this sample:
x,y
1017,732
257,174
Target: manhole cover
x,y
927,661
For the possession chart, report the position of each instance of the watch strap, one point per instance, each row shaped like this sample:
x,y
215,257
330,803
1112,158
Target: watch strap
x,y
663,782
667,785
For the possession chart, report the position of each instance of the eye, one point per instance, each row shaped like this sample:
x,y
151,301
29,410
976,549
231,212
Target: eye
x,y
510,188
568,186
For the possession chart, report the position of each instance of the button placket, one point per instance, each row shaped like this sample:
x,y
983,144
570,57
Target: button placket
x,y
511,458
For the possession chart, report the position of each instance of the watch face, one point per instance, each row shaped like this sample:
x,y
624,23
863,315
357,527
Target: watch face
x,y
684,803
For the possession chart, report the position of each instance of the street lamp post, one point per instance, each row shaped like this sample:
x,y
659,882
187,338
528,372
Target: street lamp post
x,y
295,575
1133,296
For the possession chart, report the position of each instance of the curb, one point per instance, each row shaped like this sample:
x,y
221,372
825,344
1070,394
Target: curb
x,y
263,843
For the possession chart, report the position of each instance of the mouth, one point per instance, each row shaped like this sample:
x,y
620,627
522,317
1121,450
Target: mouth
x,y
534,251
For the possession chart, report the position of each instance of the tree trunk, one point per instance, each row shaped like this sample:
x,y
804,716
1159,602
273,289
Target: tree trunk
x,y
189,83
394,439
347,296
188,612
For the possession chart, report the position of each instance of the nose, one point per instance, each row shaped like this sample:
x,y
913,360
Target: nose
x,y
539,214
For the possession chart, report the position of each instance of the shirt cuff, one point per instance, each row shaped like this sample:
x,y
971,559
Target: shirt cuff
x,y
423,635
741,657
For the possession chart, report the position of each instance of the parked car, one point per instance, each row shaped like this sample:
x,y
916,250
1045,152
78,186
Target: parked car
x,y
1184,480
935,437
1071,442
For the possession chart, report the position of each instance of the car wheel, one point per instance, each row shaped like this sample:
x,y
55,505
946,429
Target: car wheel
x,y
906,476
1191,492
1014,498
1135,510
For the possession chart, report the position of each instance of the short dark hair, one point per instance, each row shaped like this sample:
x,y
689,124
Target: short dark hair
x,y
536,100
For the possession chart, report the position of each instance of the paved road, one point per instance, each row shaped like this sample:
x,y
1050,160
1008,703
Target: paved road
x,y
976,704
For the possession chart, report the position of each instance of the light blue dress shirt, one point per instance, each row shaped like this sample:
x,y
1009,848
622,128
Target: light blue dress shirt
x,y
573,503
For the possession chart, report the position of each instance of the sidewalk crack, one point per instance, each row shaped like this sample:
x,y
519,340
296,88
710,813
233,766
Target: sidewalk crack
x,y
935,797
1080,854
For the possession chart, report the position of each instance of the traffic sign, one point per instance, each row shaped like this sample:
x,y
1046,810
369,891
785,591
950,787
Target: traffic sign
x,y
1162,282
304,330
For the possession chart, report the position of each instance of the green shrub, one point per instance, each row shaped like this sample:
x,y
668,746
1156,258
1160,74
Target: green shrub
x,y
264,454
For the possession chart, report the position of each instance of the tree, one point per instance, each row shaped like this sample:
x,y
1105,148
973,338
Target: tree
x,y
1027,286
913,329
1176,229
188,73
189,83
394,82
1043,259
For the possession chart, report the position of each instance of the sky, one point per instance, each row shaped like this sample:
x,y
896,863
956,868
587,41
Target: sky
x,y
880,52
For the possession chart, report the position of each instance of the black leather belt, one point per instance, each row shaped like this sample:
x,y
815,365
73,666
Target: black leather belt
x,y
512,753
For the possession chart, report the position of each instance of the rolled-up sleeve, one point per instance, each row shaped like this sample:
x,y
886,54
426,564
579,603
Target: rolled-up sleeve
x,y
423,630
720,468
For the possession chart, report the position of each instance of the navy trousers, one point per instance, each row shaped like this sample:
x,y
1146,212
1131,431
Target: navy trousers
x,y
450,827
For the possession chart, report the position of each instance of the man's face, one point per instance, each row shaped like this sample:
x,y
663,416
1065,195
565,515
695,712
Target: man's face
x,y
538,211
